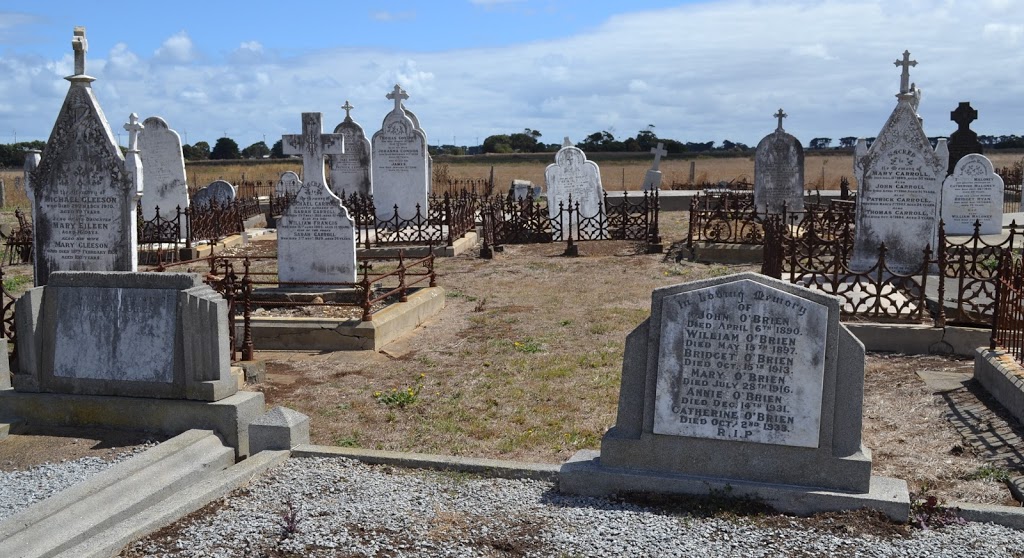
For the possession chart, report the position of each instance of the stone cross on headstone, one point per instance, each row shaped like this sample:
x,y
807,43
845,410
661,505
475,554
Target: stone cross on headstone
x,y
566,142
658,152
963,116
81,46
780,115
905,76
397,95
313,144
133,127
348,109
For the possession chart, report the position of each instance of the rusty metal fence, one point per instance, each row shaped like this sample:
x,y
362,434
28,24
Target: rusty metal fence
x,y
1008,319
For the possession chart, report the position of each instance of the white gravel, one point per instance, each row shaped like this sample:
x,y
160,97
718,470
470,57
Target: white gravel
x,y
345,508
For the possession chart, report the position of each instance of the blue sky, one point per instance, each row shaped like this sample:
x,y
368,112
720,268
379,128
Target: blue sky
x,y
697,71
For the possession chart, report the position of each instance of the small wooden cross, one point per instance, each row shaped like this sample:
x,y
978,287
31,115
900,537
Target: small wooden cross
x,y
780,115
905,76
658,152
397,95
133,127
81,46
348,109
313,145
963,116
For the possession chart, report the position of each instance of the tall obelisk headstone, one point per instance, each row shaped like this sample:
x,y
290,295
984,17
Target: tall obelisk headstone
x,y
400,165
779,172
964,140
85,194
166,188
351,171
315,236
900,187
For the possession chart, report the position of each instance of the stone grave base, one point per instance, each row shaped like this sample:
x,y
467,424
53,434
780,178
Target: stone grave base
x,y
461,245
304,294
1002,377
919,339
229,417
325,334
718,252
584,475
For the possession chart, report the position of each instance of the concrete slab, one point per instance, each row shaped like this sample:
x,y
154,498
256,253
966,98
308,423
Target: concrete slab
x,y
939,381
583,474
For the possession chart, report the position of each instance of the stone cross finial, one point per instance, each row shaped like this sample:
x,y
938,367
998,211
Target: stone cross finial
x,y
81,46
133,127
313,144
780,115
905,76
963,116
348,109
397,95
658,152
566,142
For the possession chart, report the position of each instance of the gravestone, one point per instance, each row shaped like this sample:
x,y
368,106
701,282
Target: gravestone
x,y
779,172
521,189
745,382
32,158
400,166
315,236
974,192
964,140
85,193
288,184
430,158
573,179
350,171
652,179
900,188
219,192
164,169
160,335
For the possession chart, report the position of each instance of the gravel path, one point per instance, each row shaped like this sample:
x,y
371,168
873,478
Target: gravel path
x,y
345,508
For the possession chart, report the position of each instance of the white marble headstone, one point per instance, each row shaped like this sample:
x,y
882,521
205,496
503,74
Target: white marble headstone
x,y
163,169
220,192
741,361
974,192
779,172
288,184
350,171
400,165
573,177
652,178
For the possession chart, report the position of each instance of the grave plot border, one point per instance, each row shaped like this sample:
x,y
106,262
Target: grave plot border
x,y
974,263
449,217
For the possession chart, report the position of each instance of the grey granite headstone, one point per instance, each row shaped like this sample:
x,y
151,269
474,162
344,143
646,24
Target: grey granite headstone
x,y
84,193
974,192
288,184
779,172
521,189
220,192
652,178
130,334
741,381
964,140
573,177
164,169
900,189
400,166
350,171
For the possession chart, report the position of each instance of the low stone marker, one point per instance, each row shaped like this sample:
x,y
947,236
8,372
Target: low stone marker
x,y
219,191
974,192
522,189
744,382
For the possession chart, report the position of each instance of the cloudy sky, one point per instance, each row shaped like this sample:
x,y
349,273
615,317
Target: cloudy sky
x,y
695,70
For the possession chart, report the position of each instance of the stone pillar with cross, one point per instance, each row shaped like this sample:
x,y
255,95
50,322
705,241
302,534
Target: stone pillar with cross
x,y
80,46
964,140
780,115
312,144
347,107
397,95
906,63
132,158
652,180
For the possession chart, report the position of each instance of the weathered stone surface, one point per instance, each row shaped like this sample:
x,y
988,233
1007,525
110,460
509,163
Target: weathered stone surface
x,y
288,184
163,169
84,195
652,178
779,172
32,157
521,189
964,140
900,189
974,192
316,237
573,179
350,171
280,428
220,192
400,165
744,378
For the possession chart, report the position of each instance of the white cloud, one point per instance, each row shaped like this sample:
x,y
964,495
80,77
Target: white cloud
x,y
177,49
248,52
1006,35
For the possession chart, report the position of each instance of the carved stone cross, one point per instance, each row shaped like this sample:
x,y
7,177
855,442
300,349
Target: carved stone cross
x,y
313,145
658,152
905,76
566,142
133,127
397,95
348,109
81,46
963,116
780,115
